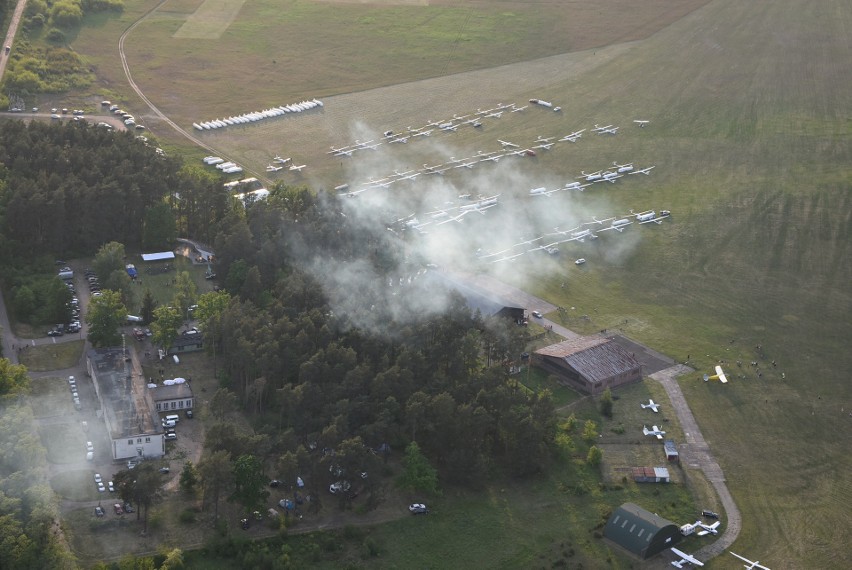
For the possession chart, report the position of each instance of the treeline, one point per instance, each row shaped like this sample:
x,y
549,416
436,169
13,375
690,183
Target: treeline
x,y
67,189
28,507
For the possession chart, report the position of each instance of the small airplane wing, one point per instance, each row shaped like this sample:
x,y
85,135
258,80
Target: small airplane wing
x,y
684,557
721,375
750,564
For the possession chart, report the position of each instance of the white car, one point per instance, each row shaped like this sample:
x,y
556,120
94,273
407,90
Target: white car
x,y
101,488
111,487
418,509
89,446
580,261
98,478
335,488
536,314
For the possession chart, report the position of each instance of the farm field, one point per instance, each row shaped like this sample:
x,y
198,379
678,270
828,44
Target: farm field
x,y
747,103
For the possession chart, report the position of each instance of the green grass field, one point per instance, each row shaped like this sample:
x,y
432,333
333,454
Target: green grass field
x,y
748,103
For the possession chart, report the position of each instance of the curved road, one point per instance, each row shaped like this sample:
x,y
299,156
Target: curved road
x,y
10,35
142,96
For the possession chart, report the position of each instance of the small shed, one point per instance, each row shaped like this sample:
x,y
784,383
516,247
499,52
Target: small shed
x,y
159,256
671,451
651,475
641,532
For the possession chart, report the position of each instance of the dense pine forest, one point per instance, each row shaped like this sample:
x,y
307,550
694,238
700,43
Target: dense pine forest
x,y
332,374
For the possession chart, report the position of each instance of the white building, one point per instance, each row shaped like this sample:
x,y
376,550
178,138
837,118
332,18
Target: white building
x,y
126,404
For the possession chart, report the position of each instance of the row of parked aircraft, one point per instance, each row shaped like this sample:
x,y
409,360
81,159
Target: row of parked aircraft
x,y
550,242
684,558
255,116
413,133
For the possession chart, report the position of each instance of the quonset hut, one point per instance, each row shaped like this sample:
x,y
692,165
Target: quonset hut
x,y
641,532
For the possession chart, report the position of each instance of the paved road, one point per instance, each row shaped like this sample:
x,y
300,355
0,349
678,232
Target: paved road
x,y
10,35
696,454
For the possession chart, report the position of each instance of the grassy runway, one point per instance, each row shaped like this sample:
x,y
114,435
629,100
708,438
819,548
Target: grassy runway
x,y
748,103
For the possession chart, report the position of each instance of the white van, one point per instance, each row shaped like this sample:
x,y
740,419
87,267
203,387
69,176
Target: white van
x,y
169,423
134,319
172,418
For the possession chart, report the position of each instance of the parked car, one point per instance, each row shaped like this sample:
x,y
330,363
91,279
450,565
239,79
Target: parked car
x,y
111,487
101,488
536,314
164,470
274,483
709,514
189,414
128,508
117,508
171,436
98,478
580,261
99,511
340,486
54,332
418,509
89,446
245,523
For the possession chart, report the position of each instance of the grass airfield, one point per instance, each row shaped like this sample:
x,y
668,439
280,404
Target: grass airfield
x,y
748,103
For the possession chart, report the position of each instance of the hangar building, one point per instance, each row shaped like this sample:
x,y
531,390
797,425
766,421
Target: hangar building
x,y
590,364
641,532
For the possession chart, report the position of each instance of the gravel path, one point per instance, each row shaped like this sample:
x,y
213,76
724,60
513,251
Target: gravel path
x,y
696,454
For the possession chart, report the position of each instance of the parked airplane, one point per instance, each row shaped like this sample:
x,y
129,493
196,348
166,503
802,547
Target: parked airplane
x,y
434,169
610,176
280,160
542,191
644,171
749,564
720,376
297,168
495,114
542,139
708,528
545,146
423,133
398,140
617,225
685,559
599,129
592,177
273,168
573,136
493,157
611,131
652,405
646,217
478,206
640,122
623,167
656,431
507,144
516,109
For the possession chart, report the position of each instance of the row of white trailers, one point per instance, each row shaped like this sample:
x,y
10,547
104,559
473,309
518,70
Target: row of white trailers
x,y
258,115
226,167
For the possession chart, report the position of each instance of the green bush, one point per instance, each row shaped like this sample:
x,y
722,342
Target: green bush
x,y
187,516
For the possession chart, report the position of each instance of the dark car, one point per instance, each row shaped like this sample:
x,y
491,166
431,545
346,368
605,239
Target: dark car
x,y
418,509
54,332
128,508
164,470
189,414
709,514
245,523
99,511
